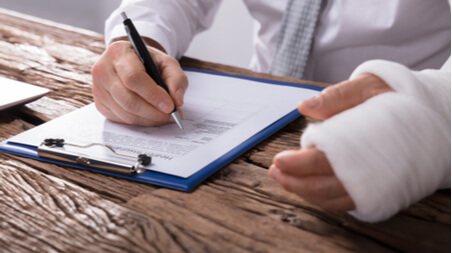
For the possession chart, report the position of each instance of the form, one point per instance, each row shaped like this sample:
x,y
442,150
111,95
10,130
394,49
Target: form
x,y
220,113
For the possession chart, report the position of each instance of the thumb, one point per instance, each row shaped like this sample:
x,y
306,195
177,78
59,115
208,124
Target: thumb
x,y
342,96
172,74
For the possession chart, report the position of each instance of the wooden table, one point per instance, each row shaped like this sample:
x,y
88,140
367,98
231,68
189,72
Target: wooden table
x,y
49,208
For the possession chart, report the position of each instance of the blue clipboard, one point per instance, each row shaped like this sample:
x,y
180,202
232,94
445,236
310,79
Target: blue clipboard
x,y
169,181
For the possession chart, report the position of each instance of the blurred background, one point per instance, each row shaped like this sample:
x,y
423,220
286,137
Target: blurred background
x,y
228,41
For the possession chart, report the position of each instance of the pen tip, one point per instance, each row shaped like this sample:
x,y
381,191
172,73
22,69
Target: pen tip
x,y
124,15
176,117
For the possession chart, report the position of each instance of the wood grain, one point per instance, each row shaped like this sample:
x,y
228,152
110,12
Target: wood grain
x,y
50,208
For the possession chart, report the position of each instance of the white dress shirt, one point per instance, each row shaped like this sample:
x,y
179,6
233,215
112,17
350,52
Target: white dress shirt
x,y
393,149
348,32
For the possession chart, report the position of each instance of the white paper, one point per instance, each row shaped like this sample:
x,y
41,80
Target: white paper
x,y
14,92
219,114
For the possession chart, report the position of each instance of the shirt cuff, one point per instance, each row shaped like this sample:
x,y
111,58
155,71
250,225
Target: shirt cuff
x,y
145,29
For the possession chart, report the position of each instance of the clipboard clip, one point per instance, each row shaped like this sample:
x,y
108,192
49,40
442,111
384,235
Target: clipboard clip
x,y
49,148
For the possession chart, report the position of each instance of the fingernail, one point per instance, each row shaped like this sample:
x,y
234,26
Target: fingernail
x,y
312,102
165,107
273,172
279,165
279,158
180,94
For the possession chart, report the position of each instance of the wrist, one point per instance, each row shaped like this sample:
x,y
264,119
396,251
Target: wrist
x,y
148,41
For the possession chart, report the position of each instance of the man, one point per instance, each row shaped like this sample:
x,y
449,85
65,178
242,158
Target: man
x,y
385,139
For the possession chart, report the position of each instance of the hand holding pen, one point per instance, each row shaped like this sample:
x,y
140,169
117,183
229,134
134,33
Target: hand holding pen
x,y
124,91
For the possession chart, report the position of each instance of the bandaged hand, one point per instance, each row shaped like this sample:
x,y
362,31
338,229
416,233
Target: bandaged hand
x,y
307,172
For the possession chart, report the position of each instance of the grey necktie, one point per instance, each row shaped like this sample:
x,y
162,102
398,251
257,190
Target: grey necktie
x,y
295,36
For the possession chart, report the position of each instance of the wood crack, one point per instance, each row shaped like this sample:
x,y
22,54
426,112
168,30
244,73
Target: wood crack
x,y
49,208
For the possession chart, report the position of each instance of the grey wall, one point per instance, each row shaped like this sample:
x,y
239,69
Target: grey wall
x,y
88,14
227,42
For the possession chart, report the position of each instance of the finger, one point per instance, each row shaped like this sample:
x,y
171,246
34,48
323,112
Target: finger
x,y
109,93
133,75
172,74
343,96
315,189
103,74
109,114
304,162
112,103
344,203
133,108
104,110
122,116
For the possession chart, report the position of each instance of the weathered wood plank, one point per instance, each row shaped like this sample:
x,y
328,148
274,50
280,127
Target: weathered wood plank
x,y
216,67
224,208
11,125
403,232
242,179
52,208
238,187
46,214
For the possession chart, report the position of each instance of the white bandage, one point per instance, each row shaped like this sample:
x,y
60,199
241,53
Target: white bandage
x,y
393,149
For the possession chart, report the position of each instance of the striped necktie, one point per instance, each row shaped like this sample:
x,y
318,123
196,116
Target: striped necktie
x,y
295,37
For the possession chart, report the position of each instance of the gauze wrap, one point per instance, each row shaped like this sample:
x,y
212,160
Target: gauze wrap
x,y
393,149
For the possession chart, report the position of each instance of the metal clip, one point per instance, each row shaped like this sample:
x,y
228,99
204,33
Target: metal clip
x,y
48,149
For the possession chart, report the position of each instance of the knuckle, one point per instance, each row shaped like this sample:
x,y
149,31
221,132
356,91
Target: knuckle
x,y
160,119
183,80
330,205
322,111
95,90
321,161
335,92
285,184
177,66
132,80
152,95
130,119
96,70
101,108
157,120
155,95
372,86
179,76
338,92
130,104
329,99
169,62
317,190
369,92
168,59
116,48
325,205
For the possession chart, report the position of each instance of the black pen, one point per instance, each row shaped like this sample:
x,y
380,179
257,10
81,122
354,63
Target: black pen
x,y
146,59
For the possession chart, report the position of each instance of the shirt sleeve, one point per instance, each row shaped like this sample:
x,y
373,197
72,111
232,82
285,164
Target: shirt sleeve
x,y
394,149
172,23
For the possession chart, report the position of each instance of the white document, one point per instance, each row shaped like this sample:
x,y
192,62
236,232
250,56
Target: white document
x,y
14,92
219,114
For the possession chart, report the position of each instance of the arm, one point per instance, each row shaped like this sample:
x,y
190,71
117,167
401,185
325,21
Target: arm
x,y
171,23
147,41
383,145
383,150
122,90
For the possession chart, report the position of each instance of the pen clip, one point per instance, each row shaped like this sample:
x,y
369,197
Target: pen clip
x,y
133,44
128,22
49,148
